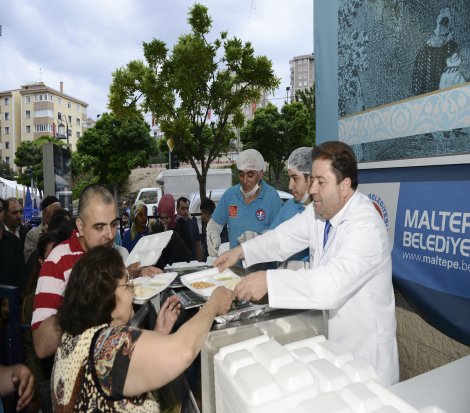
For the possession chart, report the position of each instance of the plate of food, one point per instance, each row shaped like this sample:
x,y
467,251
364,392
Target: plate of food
x,y
145,288
148,249
206,281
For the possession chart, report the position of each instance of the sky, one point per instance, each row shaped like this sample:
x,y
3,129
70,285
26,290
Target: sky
x,y
82,42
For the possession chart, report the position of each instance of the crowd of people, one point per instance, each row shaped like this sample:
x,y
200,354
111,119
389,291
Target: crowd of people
x,y
325,249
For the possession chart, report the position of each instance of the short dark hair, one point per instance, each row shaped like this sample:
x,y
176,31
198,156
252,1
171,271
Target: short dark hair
x,y
181,199
48,200
44,240
6,203
89,297
59,218
343,160
91,191
207,205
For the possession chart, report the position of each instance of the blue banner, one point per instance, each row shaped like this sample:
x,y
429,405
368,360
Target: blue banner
x,y
431,253
432,236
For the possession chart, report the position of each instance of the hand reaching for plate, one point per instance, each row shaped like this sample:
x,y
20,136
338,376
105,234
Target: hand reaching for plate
x,y
168,314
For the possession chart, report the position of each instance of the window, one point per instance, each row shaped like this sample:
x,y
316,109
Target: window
x,y
78,107
59,101
7,145
27,99
27,114
78,135
300,68
43,112
7,115
7,130
7,101
77,121
7,159
70,120
28,129
43,128
69,104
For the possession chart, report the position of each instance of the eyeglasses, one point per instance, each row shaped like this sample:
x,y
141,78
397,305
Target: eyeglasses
x,y
129,282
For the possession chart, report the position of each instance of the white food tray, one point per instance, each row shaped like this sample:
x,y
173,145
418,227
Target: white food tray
x,y
149,248
148,287
225,278
183,265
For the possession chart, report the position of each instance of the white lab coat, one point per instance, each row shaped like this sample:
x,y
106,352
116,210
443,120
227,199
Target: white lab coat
x,y
351,277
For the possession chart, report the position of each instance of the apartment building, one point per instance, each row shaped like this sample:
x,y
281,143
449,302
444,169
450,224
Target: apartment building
x,y
302,73
35,110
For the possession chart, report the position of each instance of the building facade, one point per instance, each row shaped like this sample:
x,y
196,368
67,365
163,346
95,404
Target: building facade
x,y
35,110
302,73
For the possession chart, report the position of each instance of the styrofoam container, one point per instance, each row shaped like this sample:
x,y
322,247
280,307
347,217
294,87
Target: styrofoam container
x,y
148,249
148,287
272,355
360,398
260,375
331,378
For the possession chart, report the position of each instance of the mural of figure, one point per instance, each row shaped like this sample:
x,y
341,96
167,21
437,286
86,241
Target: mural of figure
x,y
452,75
430,63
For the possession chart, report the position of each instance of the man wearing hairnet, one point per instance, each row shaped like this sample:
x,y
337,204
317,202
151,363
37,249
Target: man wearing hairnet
x,y
248,209
299,166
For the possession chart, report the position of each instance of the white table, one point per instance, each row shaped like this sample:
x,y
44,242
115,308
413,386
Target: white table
x,y
447,387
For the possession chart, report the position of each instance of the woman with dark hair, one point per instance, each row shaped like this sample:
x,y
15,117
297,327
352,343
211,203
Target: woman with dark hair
x,y
104,365
40,368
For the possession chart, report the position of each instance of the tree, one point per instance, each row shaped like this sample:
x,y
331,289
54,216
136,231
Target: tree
x,y
195,93
5,171
276,134
307,97
29,157
113,147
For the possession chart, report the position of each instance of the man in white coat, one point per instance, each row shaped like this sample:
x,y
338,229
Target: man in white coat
x,y
350,263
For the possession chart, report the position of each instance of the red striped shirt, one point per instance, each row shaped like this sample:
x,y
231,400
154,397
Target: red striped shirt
x,y
53,278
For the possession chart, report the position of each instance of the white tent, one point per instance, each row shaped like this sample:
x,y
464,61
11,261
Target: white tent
x,y
11,189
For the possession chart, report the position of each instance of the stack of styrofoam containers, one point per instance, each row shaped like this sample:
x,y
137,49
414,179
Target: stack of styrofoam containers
x,y
260,375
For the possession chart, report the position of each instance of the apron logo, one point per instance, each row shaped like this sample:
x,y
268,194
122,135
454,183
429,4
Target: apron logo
x,y
232,211
260,215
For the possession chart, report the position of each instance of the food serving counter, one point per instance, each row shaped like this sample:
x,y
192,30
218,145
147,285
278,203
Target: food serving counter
x,y
245,320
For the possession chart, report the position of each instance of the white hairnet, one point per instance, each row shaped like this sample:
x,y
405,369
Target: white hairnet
x,y
250,160
301,160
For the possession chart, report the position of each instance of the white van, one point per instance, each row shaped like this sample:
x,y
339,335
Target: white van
x,y
151,197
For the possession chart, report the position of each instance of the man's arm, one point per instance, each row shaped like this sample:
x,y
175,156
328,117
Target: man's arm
x,y
46,337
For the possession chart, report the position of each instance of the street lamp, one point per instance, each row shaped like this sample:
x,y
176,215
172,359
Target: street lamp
x,y
61,127
287,93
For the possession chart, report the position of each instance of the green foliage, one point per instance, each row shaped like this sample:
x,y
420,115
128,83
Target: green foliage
x,y
307,98
6,172
276,134
196,92
28,156
114,147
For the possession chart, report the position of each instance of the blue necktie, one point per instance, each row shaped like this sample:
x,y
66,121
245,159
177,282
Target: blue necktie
x,y
325,233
